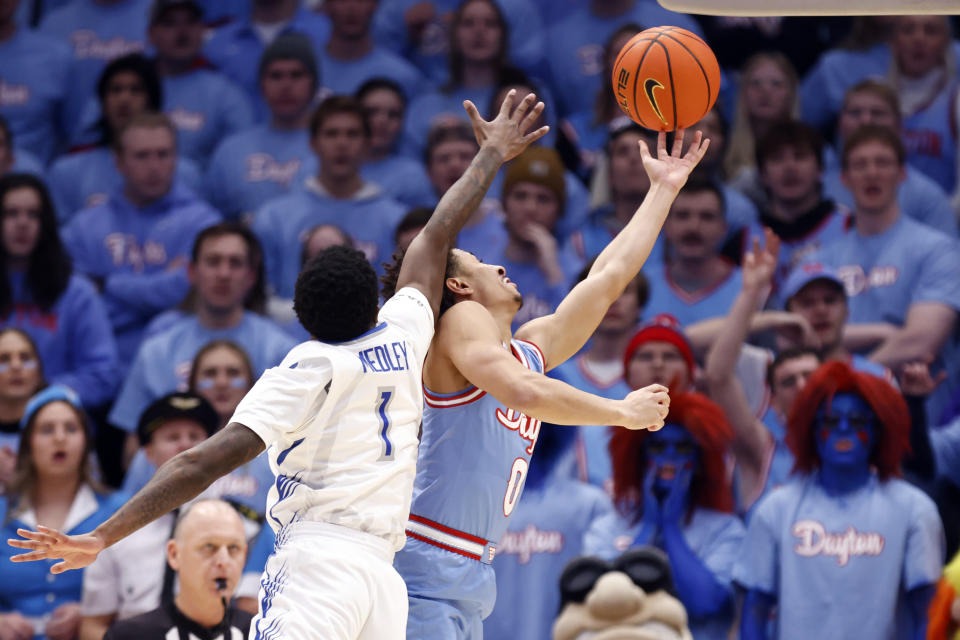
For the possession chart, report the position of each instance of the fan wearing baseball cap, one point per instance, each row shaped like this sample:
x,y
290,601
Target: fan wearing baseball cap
x,y
815,292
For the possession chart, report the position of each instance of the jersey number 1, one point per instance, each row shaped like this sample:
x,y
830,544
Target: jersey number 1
x,y
383,403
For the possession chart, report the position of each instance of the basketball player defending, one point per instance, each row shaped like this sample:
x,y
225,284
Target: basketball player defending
x,y
340,417
486,395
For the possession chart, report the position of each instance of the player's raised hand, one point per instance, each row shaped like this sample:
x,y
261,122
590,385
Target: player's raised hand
x,y
672,169
647,408
74,552
507,132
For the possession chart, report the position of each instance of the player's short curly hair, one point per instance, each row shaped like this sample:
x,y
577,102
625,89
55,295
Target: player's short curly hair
x,y
336,295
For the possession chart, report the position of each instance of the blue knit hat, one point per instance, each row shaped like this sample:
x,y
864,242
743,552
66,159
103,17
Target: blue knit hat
x,y
53,393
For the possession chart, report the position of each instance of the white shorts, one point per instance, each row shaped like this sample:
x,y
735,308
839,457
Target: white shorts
x,y
327,581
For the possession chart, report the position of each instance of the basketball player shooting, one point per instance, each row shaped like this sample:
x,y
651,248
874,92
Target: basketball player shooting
x,y
486,395
340,416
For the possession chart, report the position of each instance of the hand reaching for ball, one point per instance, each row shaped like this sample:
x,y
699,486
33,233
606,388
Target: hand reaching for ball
x,y
672,169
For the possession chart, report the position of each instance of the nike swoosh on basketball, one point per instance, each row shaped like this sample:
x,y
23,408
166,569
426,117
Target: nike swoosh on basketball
x,y
648,86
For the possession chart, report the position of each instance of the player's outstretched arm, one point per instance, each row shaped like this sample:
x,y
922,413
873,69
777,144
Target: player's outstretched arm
x,y
181,478
472,341
500,140
563,333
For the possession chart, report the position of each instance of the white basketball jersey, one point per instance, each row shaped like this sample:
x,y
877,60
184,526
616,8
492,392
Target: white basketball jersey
x,y
340,421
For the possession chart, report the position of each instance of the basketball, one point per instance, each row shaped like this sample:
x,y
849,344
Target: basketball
x,y
666,78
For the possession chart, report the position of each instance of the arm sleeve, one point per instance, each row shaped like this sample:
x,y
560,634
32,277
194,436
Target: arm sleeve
x,y
410,311
283,397
926,545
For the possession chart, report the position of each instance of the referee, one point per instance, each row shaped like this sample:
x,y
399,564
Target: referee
x,y
207,553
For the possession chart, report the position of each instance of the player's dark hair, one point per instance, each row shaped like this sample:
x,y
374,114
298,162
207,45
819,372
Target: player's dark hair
x,y
874,133
784,356
144,69
335,105
643,287
789,133
336,295
256,299
416,218
378,84
391,272
49,266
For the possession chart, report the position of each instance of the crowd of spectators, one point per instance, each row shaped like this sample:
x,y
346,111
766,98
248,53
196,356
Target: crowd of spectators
x,y
168,166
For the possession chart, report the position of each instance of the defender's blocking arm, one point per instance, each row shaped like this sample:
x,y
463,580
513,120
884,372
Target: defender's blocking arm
x,y
500,140
178,480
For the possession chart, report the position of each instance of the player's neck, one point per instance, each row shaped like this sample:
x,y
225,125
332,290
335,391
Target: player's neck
x,y
199,609
344,48
212,318
871,222
838,480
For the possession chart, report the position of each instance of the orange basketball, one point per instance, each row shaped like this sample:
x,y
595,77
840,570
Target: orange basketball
x,y
666,78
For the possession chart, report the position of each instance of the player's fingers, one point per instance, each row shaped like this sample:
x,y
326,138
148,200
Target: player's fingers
x,y
507,105
702,149
27,544
523,108
644,150
536,135
656,387
531,116
677,150
661,144
60,567
40,535
29,557
656,426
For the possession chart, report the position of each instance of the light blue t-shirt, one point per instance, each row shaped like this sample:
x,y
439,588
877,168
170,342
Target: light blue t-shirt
x,y
840,567
344,77
688,308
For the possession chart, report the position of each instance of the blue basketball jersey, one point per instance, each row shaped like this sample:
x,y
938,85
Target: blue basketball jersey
x,y
474,455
